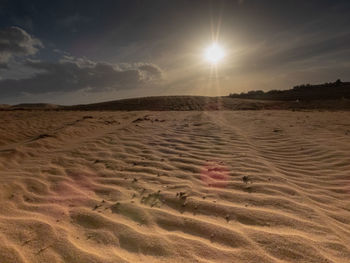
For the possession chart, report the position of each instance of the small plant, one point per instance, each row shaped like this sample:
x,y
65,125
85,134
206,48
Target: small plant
x,y
245,179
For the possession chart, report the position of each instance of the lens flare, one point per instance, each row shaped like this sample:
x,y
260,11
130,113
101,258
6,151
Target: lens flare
x,y
214,53
215,174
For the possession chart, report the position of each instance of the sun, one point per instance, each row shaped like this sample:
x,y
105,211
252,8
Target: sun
x,y
214,53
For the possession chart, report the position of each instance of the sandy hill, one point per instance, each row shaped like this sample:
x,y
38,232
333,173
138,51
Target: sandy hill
x,y
180,103
200,103
4,106
33,106
197,103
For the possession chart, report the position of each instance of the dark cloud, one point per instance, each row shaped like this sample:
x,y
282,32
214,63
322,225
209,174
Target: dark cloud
x,y
72,74
14,41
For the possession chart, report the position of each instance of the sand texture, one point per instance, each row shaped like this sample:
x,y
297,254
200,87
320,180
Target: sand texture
x,y
220,186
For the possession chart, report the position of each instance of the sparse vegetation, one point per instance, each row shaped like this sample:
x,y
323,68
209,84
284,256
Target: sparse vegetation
x,y
326,91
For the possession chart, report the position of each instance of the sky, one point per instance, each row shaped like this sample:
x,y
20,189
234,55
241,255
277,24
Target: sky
x,y
72,52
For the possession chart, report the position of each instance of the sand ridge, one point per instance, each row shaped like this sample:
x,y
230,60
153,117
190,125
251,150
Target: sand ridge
x,y
252,186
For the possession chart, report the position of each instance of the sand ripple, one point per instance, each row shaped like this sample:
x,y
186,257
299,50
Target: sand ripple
x,y
249,186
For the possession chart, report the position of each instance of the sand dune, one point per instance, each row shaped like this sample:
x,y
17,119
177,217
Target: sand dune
x,y
191,103
191,186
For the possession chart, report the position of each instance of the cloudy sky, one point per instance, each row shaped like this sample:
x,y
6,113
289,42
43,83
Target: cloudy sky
x,y
70,52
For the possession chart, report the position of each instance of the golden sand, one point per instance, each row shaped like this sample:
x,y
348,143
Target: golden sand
x,y
244,186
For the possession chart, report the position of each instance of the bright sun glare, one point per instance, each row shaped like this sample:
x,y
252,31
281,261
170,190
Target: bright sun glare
x,y
214,53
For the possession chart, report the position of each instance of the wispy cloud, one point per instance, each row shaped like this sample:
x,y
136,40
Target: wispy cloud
x,y
15,42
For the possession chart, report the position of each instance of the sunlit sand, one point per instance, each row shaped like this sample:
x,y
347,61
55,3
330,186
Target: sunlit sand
x,y
195,186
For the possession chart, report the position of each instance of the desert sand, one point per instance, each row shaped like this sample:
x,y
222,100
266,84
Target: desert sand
x,y
190,186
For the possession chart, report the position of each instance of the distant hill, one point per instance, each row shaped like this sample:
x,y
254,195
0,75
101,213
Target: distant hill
x,y
34,106
306,92
175,103
202,103
3,106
